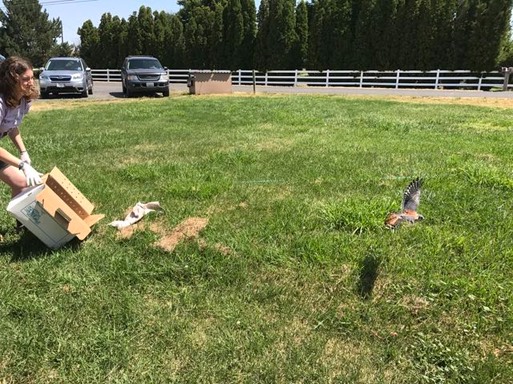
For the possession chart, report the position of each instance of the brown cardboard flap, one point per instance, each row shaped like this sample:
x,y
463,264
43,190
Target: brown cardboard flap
x,y
53,205
68,193
93,219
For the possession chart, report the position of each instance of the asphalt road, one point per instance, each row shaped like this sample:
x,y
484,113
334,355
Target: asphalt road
x,y
112,90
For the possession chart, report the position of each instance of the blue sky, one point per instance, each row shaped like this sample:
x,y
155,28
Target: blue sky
x,y
73,13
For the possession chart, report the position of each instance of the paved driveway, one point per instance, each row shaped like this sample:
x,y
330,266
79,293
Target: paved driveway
x,y
112,90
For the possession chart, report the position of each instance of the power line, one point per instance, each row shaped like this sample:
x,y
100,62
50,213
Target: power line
x,y
57,2
53,2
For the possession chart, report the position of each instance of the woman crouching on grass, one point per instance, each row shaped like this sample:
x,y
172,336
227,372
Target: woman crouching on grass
x,y
17,90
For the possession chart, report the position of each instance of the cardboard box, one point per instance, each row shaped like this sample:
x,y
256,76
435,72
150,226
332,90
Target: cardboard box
x,y
55,211
210,82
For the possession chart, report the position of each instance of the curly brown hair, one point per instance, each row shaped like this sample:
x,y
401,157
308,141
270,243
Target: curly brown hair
x,y
10,71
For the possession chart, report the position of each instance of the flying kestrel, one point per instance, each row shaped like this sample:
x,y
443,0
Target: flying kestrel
x,y
411,200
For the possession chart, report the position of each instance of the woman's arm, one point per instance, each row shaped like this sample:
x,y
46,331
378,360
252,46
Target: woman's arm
x,y
9,158
15,136
32,176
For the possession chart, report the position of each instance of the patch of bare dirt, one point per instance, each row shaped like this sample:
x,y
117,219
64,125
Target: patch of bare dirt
x,y
477,101
69,104
188,229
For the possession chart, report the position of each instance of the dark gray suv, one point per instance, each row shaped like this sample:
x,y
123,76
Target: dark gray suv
x,y
144,74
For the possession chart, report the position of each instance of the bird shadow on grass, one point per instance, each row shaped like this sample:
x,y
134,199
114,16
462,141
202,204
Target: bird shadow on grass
x,y
369,271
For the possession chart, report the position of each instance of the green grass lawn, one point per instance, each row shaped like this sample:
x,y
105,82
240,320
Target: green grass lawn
x,y
294,279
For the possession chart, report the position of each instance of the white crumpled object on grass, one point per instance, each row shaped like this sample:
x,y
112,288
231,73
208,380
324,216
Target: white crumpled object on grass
x,y
138,212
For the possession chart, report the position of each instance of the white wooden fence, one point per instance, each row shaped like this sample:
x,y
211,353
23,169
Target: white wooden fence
x,y
435,79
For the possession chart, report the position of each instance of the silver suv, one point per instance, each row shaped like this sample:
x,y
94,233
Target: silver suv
x,y
66,75
144,74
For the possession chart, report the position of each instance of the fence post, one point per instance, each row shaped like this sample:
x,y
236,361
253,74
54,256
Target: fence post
x,y
437,78
295,78
507,71
108,75
361,79
397,76
479,82
327,78
254,82
265,78
239,73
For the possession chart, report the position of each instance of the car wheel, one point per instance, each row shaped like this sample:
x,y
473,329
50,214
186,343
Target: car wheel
x,y
45,95
128,93
84,93
90,91
166,93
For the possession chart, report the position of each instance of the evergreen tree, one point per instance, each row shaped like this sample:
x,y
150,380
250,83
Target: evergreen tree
x,y
203,31
146,30
386,37
323,34
364,32
249,33
321,40
89,44
489,24
26,30
161,25
108,41
443,15
134,36
282,34
340,22
331,38
408,29
175,39
119,41
64,49
301,49
233,34
425,41
215,36
261,55
195,43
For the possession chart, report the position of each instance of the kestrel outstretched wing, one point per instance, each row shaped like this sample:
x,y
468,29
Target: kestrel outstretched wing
x,y
410,203
411,196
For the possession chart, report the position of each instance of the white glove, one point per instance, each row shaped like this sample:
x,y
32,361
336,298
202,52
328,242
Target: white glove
x,y
32,176
25,157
